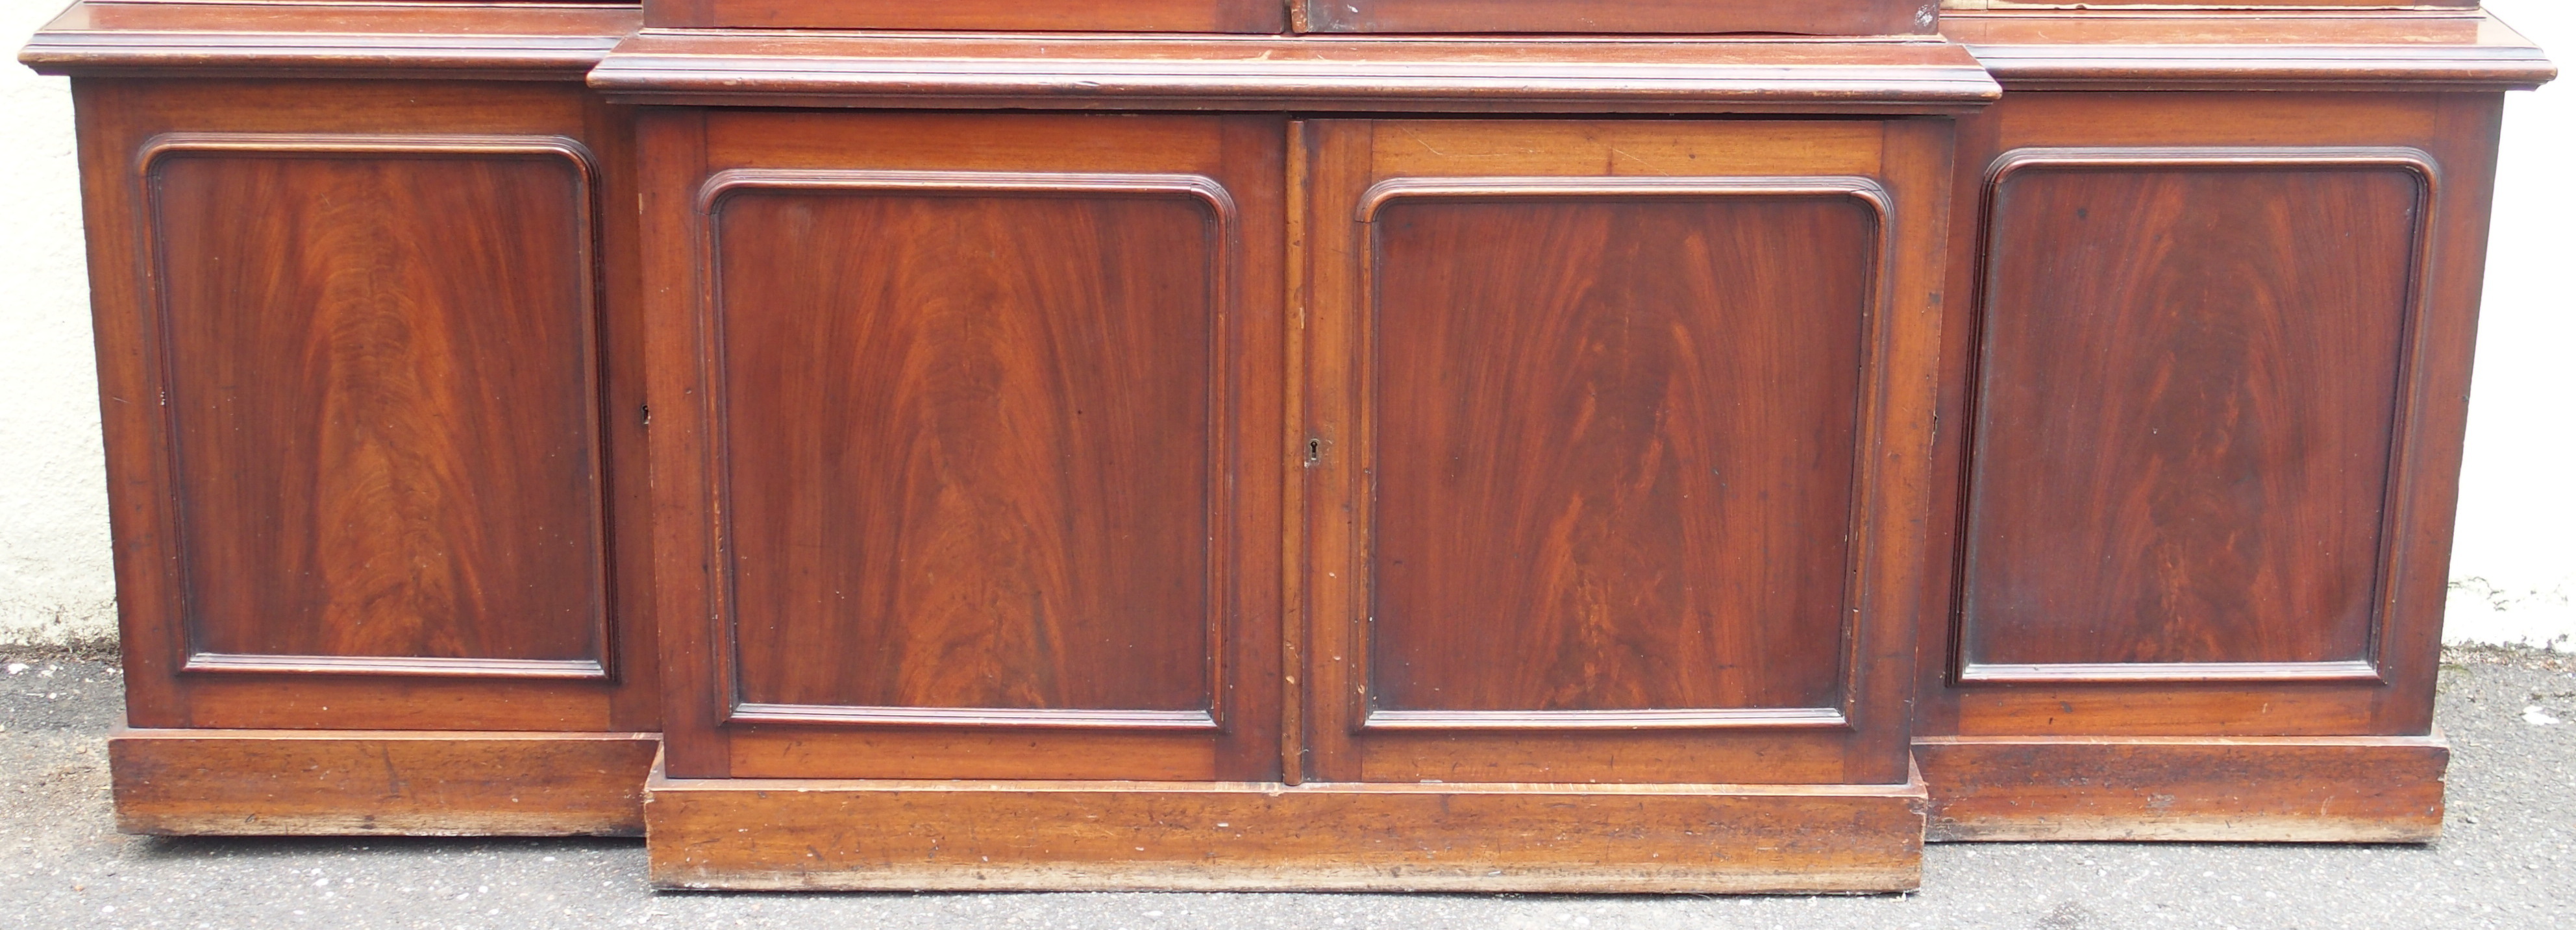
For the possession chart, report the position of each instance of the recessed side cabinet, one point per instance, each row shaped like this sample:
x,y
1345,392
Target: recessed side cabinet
x,y
2239,346
363,378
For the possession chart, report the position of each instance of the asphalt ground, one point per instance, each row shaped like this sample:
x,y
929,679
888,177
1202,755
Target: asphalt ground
x,y
2507,858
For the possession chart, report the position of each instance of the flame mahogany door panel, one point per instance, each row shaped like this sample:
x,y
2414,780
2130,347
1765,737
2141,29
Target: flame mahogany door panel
x,y
974,421
366,362
1618,431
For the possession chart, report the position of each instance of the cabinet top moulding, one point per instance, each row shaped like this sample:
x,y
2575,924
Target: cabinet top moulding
x,y
2217,50
521,41
1294,72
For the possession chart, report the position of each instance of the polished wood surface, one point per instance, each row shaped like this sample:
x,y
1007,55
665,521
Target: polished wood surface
x,y
381,392
371,499
968,429
990,402
1614,462
1261,455
1660,75
2332,789
1182,836
362,782
2200,350
1807,17
2358,450
1572,403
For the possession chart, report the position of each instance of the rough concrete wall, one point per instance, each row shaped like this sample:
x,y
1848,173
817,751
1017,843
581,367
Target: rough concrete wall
x,y
2514,568
55,583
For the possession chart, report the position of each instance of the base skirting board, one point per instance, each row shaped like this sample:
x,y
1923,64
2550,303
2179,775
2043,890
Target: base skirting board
x,y
395,782
1033,835
1339,836
2306,789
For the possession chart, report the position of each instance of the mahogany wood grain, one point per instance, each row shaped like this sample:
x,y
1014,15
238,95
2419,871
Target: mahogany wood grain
x,y
341,391
2401,414
1615,445
2200,351
381,396
990,411
1532,341
421,783
1658,75
1807,17
968,430
1093,836
2358,789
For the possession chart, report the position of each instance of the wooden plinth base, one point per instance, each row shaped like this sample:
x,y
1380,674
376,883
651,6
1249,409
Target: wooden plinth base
x,y
2373,789
415,783
1030,835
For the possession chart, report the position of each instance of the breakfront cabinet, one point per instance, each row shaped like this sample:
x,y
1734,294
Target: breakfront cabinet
x,y
1681,445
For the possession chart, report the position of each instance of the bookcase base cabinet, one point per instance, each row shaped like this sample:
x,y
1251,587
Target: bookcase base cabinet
x,y
1298,459
862,835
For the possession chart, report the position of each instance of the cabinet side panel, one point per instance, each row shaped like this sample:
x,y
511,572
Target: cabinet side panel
x,y
969,445
382,410
2188,390
1615,451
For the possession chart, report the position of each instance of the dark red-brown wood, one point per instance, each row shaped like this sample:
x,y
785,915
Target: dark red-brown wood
x,y
383,399
385,491
1615,444
1604,435
2199,350
988,406
968,442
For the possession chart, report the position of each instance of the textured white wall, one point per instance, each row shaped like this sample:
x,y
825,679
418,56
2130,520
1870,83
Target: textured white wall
x,y
55,582
2514,564
2513,571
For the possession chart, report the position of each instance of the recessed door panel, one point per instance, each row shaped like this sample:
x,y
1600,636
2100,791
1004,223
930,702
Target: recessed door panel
x,y
380,359
979,433
2186,421
1615,437
1615,427
968,433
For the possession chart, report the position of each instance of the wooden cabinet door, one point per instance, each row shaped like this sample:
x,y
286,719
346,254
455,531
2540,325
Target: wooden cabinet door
x,y
967,430
1617,447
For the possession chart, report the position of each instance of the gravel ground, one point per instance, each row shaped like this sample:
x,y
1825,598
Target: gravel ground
x,y
2507,859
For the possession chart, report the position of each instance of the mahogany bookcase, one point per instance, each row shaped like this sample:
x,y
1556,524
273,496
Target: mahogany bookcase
x,y
1674,445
